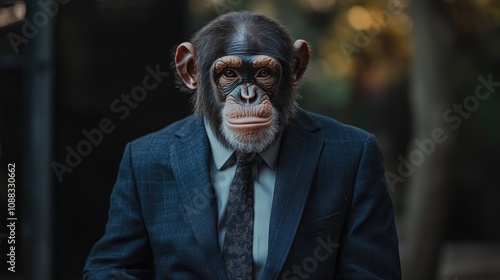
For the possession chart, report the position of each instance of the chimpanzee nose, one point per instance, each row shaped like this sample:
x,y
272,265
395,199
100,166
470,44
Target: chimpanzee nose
x,y
248,93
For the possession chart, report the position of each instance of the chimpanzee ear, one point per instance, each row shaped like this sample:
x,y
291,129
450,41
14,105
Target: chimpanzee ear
x,y
185,64
301,54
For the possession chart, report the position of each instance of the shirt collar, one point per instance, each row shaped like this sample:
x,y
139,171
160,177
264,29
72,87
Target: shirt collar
x,y
222,155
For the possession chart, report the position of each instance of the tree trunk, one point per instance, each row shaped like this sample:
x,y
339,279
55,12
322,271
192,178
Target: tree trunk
x,y
430,97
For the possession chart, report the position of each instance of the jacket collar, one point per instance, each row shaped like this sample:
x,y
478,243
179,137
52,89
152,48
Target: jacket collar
x,y
190,164
297,163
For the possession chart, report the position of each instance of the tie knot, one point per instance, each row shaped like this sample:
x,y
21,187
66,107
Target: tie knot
x,y
246,158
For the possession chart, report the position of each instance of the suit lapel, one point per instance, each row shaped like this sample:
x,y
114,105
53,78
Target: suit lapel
x,y
190,164
299,156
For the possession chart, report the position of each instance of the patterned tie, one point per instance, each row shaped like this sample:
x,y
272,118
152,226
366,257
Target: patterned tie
x,y
238,239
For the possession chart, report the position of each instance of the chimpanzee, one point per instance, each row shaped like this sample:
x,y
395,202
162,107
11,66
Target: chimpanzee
x,y
250,186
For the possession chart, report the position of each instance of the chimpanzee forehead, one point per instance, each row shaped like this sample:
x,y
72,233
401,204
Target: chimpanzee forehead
x,y
248,41
243,34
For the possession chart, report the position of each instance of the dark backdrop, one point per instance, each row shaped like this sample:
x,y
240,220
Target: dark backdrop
x,y
102,52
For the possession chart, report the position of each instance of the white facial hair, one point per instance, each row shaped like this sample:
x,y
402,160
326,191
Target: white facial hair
x,y
265,138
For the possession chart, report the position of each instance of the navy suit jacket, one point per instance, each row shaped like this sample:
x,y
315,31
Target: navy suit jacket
x,y
332,216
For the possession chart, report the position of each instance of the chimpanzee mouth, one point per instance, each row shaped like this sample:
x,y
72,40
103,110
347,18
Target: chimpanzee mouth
x,y
248,123
248,117
250,129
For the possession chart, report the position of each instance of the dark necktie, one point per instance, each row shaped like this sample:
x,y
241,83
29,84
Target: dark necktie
x,y
238,239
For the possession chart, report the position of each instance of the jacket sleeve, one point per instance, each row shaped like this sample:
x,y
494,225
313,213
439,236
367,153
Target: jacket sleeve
x,y
123,253
370,244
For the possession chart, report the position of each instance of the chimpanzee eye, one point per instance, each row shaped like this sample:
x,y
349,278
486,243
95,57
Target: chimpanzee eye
x,y
263,73
229,73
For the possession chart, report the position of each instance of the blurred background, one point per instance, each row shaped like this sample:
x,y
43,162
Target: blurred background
x,y
423,76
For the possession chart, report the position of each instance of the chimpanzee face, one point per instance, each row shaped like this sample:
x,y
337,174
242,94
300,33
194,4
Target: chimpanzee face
x,y
249,122
242,68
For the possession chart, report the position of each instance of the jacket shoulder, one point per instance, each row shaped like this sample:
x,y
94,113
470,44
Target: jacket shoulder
x,y
162,138
180,128
333,130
